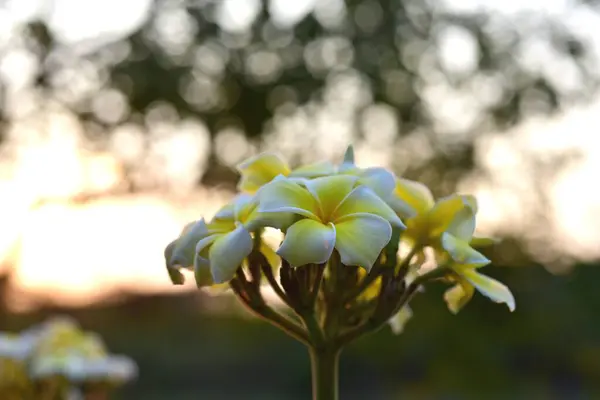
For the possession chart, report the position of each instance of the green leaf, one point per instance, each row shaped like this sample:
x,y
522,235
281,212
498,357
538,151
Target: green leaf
x,y
349,155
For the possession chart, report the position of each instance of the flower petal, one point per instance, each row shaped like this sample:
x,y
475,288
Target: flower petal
x,y
285,196
417,196
299,180
246,213
241,209
223,220
217,225
244,209
259,170
330,191
228,252
463,225
175,274
202,275
182,253
308,242
455,213
313,170
202,272
243,205
364,200
380,180
402,208
471,202
275,220
226,212
480,241
270,255
415,266
489,287
461,252
361,237
459,295
398,321
168,252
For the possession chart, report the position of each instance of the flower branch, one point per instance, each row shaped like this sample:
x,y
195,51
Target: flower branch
x,y
256,304
340,274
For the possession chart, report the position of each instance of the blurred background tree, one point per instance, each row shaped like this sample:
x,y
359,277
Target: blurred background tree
x,y
242,63
421,85
419,81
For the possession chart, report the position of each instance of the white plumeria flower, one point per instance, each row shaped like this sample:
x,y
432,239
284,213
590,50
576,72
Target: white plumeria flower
x,y
335,214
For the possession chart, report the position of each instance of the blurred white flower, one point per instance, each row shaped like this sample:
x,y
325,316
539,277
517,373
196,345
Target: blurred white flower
x,y
16,347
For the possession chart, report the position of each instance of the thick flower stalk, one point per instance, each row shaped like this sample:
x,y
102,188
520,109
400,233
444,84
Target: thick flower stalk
x,y
352,255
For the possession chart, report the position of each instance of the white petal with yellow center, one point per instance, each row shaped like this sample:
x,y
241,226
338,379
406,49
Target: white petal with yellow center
x,y
313,170
202,271
226,212
243,205
364,200
411,197
227,253
463,224
259,170
182,253
361,237
380,180
489,287
329,192
285,196
175,274
270,254
461,252
308,242
458,296
445,212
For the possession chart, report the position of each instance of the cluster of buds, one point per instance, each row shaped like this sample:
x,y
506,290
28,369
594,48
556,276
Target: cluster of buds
x,y
357,245
59,361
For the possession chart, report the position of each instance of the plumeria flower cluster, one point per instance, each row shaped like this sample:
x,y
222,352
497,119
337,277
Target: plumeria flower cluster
x,y
353,252
60,361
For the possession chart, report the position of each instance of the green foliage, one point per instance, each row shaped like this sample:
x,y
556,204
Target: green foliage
x,y
548,347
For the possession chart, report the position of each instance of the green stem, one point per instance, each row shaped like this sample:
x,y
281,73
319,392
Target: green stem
x,y
308,313
334,296
364,283
374,324
369,326
405,264
325,372
50,390
268,273
259,308
315,333
437,273
314,295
